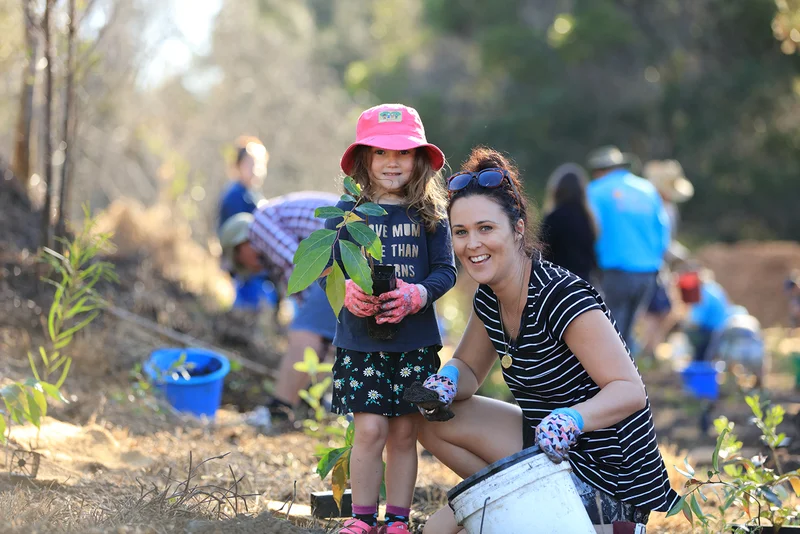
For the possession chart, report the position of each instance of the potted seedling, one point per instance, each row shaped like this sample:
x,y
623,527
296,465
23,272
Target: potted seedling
x,y
749,496
358,250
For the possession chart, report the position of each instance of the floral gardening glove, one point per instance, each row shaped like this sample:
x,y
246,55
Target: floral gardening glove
x,y
359,303
407,299
434,397
558,432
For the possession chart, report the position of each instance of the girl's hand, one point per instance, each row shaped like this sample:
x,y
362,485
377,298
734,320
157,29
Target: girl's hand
x,y
556,434
359,303
407,299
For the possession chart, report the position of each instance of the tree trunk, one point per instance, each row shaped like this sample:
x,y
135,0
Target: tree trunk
x,y
68,126
21,163
46,240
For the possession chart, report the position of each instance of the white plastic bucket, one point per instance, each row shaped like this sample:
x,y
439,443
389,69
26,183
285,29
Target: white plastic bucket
x,y
523,493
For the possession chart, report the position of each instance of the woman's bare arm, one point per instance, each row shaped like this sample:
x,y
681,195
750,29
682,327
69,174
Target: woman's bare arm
x,y
596,344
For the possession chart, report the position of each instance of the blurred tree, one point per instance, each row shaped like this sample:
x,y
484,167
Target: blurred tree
x,y
22,141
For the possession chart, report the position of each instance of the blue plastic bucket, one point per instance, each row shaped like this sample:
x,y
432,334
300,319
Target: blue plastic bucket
x,y
199,393
700,380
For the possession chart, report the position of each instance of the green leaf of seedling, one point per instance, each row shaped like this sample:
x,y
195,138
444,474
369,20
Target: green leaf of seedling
x,y
53,392
335,288
356,266
318,238
687,511
62,342
39,399
318,390
301,367
308,268
350,434
347,198
771,496
688,466
715,456
696,509
677,508
328,460
69,333
328,212
349,218
2,428
370,208
754,402
366,237
351,186
303,394
325,368
33,365
64,373
339,478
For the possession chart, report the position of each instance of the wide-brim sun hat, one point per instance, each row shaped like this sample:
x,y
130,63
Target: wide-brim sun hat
x,y
607,157
234,232
391,127
669,179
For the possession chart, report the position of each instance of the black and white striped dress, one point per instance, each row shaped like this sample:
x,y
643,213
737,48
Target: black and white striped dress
x,y
622,460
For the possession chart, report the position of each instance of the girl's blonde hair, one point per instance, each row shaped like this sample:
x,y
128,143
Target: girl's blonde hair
x,y
425,191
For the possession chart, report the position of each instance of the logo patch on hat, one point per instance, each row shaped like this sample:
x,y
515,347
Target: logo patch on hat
x,y
390,116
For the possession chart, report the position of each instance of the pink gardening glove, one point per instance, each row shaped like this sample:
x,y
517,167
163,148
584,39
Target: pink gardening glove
x,y
407,299
556,434
359,303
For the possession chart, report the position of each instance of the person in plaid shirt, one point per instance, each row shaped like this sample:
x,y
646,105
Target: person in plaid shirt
x,y
267,239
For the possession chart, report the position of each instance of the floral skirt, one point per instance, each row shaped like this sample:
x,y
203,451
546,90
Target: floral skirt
x,y
373,382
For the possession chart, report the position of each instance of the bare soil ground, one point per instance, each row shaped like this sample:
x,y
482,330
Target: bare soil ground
x,y
115,462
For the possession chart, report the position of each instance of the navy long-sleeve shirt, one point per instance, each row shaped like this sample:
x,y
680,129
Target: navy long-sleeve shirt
x,y
569,236
419,257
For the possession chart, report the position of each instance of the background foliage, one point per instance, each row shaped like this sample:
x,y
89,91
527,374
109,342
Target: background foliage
x,y
712,83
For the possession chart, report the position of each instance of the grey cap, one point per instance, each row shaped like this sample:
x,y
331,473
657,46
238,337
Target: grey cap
x,y
234,232
607,157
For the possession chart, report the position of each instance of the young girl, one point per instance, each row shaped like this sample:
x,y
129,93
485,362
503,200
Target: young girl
x,y
398,169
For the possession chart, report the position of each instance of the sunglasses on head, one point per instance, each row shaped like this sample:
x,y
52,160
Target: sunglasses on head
x,y
491,178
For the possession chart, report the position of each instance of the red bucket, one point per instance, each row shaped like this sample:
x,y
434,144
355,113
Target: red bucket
x,y
689,284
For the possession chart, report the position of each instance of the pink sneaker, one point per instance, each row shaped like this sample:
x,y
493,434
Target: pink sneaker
x,y
395,528
356,526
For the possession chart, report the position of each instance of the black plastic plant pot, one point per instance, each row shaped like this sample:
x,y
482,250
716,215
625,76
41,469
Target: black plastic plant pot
x,y
383,281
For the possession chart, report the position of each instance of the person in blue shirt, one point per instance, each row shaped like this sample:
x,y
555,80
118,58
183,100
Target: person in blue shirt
x,y
242,195
254,291
708,316
633,235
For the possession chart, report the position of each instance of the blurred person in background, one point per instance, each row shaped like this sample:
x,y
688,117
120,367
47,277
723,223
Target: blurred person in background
x,y
706,317
568,231
673,187
633,235
242,194
268,239
254,291
792,288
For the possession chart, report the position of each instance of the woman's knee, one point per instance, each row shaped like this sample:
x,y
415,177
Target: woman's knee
x,y
442,522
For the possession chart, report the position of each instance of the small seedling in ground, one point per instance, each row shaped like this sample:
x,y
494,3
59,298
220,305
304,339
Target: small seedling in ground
x,y
75,305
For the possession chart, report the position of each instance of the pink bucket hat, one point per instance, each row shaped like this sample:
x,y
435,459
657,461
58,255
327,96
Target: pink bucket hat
x,y
391,127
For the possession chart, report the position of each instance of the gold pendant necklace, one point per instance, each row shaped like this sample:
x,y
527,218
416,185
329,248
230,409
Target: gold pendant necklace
x,y
506,360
